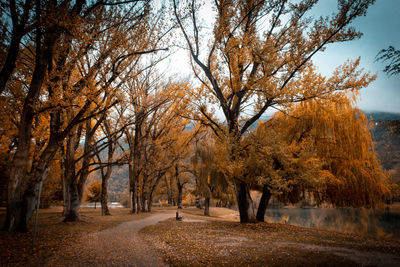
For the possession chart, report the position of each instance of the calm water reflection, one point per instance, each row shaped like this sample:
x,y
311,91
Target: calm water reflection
x,y
376,223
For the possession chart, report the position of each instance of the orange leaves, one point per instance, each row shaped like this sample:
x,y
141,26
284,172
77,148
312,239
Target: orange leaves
x,y
338,133
94,192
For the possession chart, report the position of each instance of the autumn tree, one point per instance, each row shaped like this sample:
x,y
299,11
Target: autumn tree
x,y
181,151
112,134
252,65
144,99
210,180
94,193
352,174
154,135
51,22
77,62
319,149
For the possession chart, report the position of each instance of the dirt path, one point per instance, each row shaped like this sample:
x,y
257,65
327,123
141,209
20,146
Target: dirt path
x,y
118,246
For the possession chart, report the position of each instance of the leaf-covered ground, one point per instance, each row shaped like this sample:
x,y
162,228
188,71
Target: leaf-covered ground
x,y
218,240
222,241
54,236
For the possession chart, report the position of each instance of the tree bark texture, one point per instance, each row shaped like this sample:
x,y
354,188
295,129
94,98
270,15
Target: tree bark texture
x,y
180,189
72,202
262,207
207,206
104,196
244,202
21,156
132,188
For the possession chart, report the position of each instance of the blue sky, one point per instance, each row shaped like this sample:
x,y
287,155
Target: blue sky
x,y
381,28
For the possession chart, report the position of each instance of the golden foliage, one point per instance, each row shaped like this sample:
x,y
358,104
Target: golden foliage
x,y
350,174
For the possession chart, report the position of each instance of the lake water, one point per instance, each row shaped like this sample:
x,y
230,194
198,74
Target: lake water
x,y
376,223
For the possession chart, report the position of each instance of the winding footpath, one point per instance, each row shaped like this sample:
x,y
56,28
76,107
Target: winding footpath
x,y
117,246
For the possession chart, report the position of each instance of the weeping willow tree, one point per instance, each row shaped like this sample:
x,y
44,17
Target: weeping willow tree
x,y
323,147
352,174
210,181
277,167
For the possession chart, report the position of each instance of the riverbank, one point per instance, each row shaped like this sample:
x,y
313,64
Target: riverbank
x,y
221,241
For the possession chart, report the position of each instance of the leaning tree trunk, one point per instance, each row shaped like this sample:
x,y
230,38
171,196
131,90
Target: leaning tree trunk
x,y
21,156
9,64
18,170
38,175
76,183
262,207
207,206
106,176
244,202
153,188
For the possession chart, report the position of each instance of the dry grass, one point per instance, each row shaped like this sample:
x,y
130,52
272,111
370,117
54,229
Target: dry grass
x,y
218,241
53,235
216,214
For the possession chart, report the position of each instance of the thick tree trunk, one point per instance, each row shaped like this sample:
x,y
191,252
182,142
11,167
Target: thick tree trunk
x,y
207,206
40,171
18,170
73,200
244,202
144,194
20,160
150,202
143,203
132,188
104,187
104,196
262,207
75,182
72,213
65,195
133,182
180,189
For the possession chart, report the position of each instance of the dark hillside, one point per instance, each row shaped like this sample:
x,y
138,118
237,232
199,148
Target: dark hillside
x,y
386,134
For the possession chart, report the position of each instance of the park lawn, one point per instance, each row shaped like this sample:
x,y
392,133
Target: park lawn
x,y
53,235
220,240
